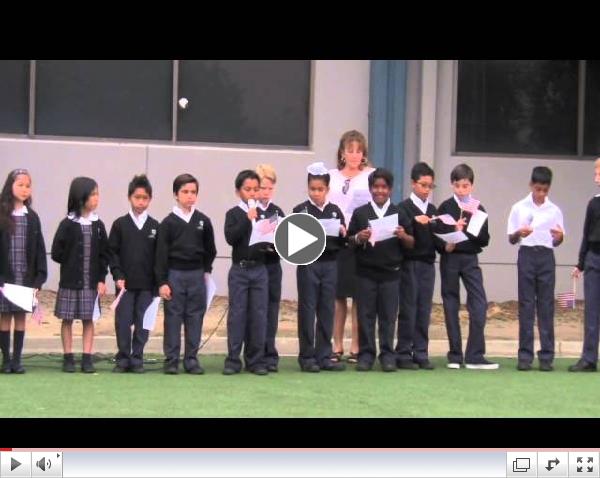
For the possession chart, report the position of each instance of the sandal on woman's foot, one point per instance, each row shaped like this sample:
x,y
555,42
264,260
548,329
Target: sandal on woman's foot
x,y
353,358
336,357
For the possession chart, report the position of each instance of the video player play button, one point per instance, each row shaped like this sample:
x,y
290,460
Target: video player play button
x,y
300,239
14,464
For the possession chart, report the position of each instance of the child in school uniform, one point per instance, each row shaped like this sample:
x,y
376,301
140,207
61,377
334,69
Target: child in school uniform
x,y
417,274
378,270
267,209
317,281
589,264
80,246
460,261
536,224
185,252
22,260
132,242
248,282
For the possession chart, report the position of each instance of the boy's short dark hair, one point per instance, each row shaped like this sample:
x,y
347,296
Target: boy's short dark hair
x,y
320,177
140,181
381,173
462,171
541,175
243,175
421,169
182,179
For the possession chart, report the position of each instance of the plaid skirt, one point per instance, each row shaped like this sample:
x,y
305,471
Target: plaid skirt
x,y
17,261
75,304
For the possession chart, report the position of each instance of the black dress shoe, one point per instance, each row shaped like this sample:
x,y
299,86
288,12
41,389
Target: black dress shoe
x,y
311,368
583,366
230,371
363,367
260,371
272,368
196,370
171,369
17,368
137,369
406,365
391,367
546,366
6,367
523,366
119,369
333,367
425,365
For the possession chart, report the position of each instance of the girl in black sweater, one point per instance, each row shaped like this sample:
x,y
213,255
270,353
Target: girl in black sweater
x,y
80,246
22,260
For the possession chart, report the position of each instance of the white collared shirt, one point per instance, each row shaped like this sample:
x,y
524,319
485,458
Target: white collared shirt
x,y
541,218
380,211
186,216
21,211
422,205
320,208
264,208
140,220
84,221
461,203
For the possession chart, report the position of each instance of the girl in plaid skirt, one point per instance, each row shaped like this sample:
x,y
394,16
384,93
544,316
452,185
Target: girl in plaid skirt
x,y
22,260
80,246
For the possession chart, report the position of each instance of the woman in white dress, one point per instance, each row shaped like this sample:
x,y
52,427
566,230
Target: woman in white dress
x,y
348,188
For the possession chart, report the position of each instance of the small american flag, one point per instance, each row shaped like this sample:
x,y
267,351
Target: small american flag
x,y
268,225
470,205
566,300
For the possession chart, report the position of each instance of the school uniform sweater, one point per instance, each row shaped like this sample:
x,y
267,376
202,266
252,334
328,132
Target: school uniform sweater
x,y
475,244
381,262
424,249
37,266
184,245
331,211
591,231
133,252
271,256
238,229
67,250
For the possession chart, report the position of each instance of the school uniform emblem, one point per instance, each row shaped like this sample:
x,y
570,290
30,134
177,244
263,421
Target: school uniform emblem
x,y
334,214
262,216
152,234
200,225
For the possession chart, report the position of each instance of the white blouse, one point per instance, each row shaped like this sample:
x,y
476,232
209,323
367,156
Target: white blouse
x,y
358,186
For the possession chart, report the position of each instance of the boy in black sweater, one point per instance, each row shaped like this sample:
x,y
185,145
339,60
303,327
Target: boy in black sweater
x,y
460,261
248,282
417,274
267,210
185,253
378,268
589,262
317,281
132,243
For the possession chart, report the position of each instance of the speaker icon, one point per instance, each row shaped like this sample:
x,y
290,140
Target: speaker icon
x,y
43,463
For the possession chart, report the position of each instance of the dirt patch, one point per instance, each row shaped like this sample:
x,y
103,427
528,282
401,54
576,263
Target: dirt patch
x,y
502,320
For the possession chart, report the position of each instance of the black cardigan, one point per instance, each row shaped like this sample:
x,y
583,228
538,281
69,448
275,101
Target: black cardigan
x,y
37,263
67,250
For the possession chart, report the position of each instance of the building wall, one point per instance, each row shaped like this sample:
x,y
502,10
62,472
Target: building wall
x,y
340,102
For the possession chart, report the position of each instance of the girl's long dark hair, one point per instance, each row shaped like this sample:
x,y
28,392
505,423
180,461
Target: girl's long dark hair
x,y
79,192
7,200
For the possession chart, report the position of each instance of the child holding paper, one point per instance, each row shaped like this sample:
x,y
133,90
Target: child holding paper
x,y
132,243
268,210
185,252
80,246
536,224
460,261
22,260
417,274
248,282
317,281
378,261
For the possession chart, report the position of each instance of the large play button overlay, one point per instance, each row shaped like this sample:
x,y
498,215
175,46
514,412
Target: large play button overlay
x,y
300,239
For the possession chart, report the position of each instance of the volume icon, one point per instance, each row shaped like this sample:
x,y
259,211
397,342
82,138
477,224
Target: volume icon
x,y
43,463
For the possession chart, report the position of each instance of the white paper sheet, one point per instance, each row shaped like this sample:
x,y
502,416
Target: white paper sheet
x,y
476,222
96,314
453,237
115,303
263,231
331,226
150,314
19,295
211,289
384,228
446,219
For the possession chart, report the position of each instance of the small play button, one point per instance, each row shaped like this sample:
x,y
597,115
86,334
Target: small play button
x,y
300,239
14,464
